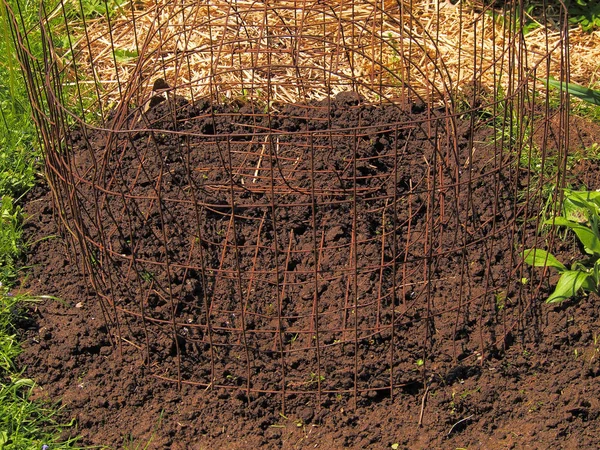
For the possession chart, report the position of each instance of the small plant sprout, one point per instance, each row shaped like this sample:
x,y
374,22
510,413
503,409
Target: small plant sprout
x,y
581,211
500,300
314,378
147,276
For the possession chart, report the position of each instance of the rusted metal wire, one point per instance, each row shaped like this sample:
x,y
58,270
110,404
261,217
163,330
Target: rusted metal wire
x,y
243,242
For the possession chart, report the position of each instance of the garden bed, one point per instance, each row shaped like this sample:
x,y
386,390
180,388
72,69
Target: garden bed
x,y
408,210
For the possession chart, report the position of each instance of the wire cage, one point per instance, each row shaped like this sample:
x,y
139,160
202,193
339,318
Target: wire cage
x,y
289,197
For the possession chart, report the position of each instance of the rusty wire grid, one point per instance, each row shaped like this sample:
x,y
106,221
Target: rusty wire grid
x,y
287,197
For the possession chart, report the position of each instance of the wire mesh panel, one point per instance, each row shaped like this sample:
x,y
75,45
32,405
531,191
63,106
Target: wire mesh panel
x,y
291,197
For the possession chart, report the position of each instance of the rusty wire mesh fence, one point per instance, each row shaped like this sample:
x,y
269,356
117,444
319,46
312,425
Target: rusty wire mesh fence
x,y
289,197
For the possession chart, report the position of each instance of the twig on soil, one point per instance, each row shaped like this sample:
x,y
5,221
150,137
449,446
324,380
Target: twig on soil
x,y
260,158
459,422
423,400
131,343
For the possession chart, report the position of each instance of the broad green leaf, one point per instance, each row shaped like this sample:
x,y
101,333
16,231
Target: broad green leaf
x,y
589,284
541,258
569,283
560,221
575,212
593,196
589,95
586,235
581,203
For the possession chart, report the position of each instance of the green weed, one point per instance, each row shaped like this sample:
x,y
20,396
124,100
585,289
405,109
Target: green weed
x,y
23,424
314,378
147,276
581,214
585,13
26,424
18,150
10,237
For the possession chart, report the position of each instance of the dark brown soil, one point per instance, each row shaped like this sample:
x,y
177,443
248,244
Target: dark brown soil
x,y
447,349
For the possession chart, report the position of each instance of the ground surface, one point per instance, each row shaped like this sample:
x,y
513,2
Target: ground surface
x,y
498,372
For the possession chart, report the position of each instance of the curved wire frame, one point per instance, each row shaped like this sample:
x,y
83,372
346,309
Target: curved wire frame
x,y
288,197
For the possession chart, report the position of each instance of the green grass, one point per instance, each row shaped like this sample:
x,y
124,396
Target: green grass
x,y
10,238
27,424
24,424
18,149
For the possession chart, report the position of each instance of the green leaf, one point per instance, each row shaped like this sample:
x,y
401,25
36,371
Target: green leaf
x,y
589,284
541,258
586,94
569,283
586,235
582,198
124,56
587,195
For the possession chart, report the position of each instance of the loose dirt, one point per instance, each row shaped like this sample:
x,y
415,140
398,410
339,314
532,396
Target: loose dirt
x,y
476,360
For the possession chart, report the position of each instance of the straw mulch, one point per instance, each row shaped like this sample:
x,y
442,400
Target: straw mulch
x,y
289,51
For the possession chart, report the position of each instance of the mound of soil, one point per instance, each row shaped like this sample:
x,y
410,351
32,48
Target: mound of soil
x,y
333,275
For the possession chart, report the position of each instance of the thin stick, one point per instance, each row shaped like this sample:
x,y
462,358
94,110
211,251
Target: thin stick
x,y
460,421
423,400
260,158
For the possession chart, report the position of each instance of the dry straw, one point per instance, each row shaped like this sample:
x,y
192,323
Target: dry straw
x,y
287,51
